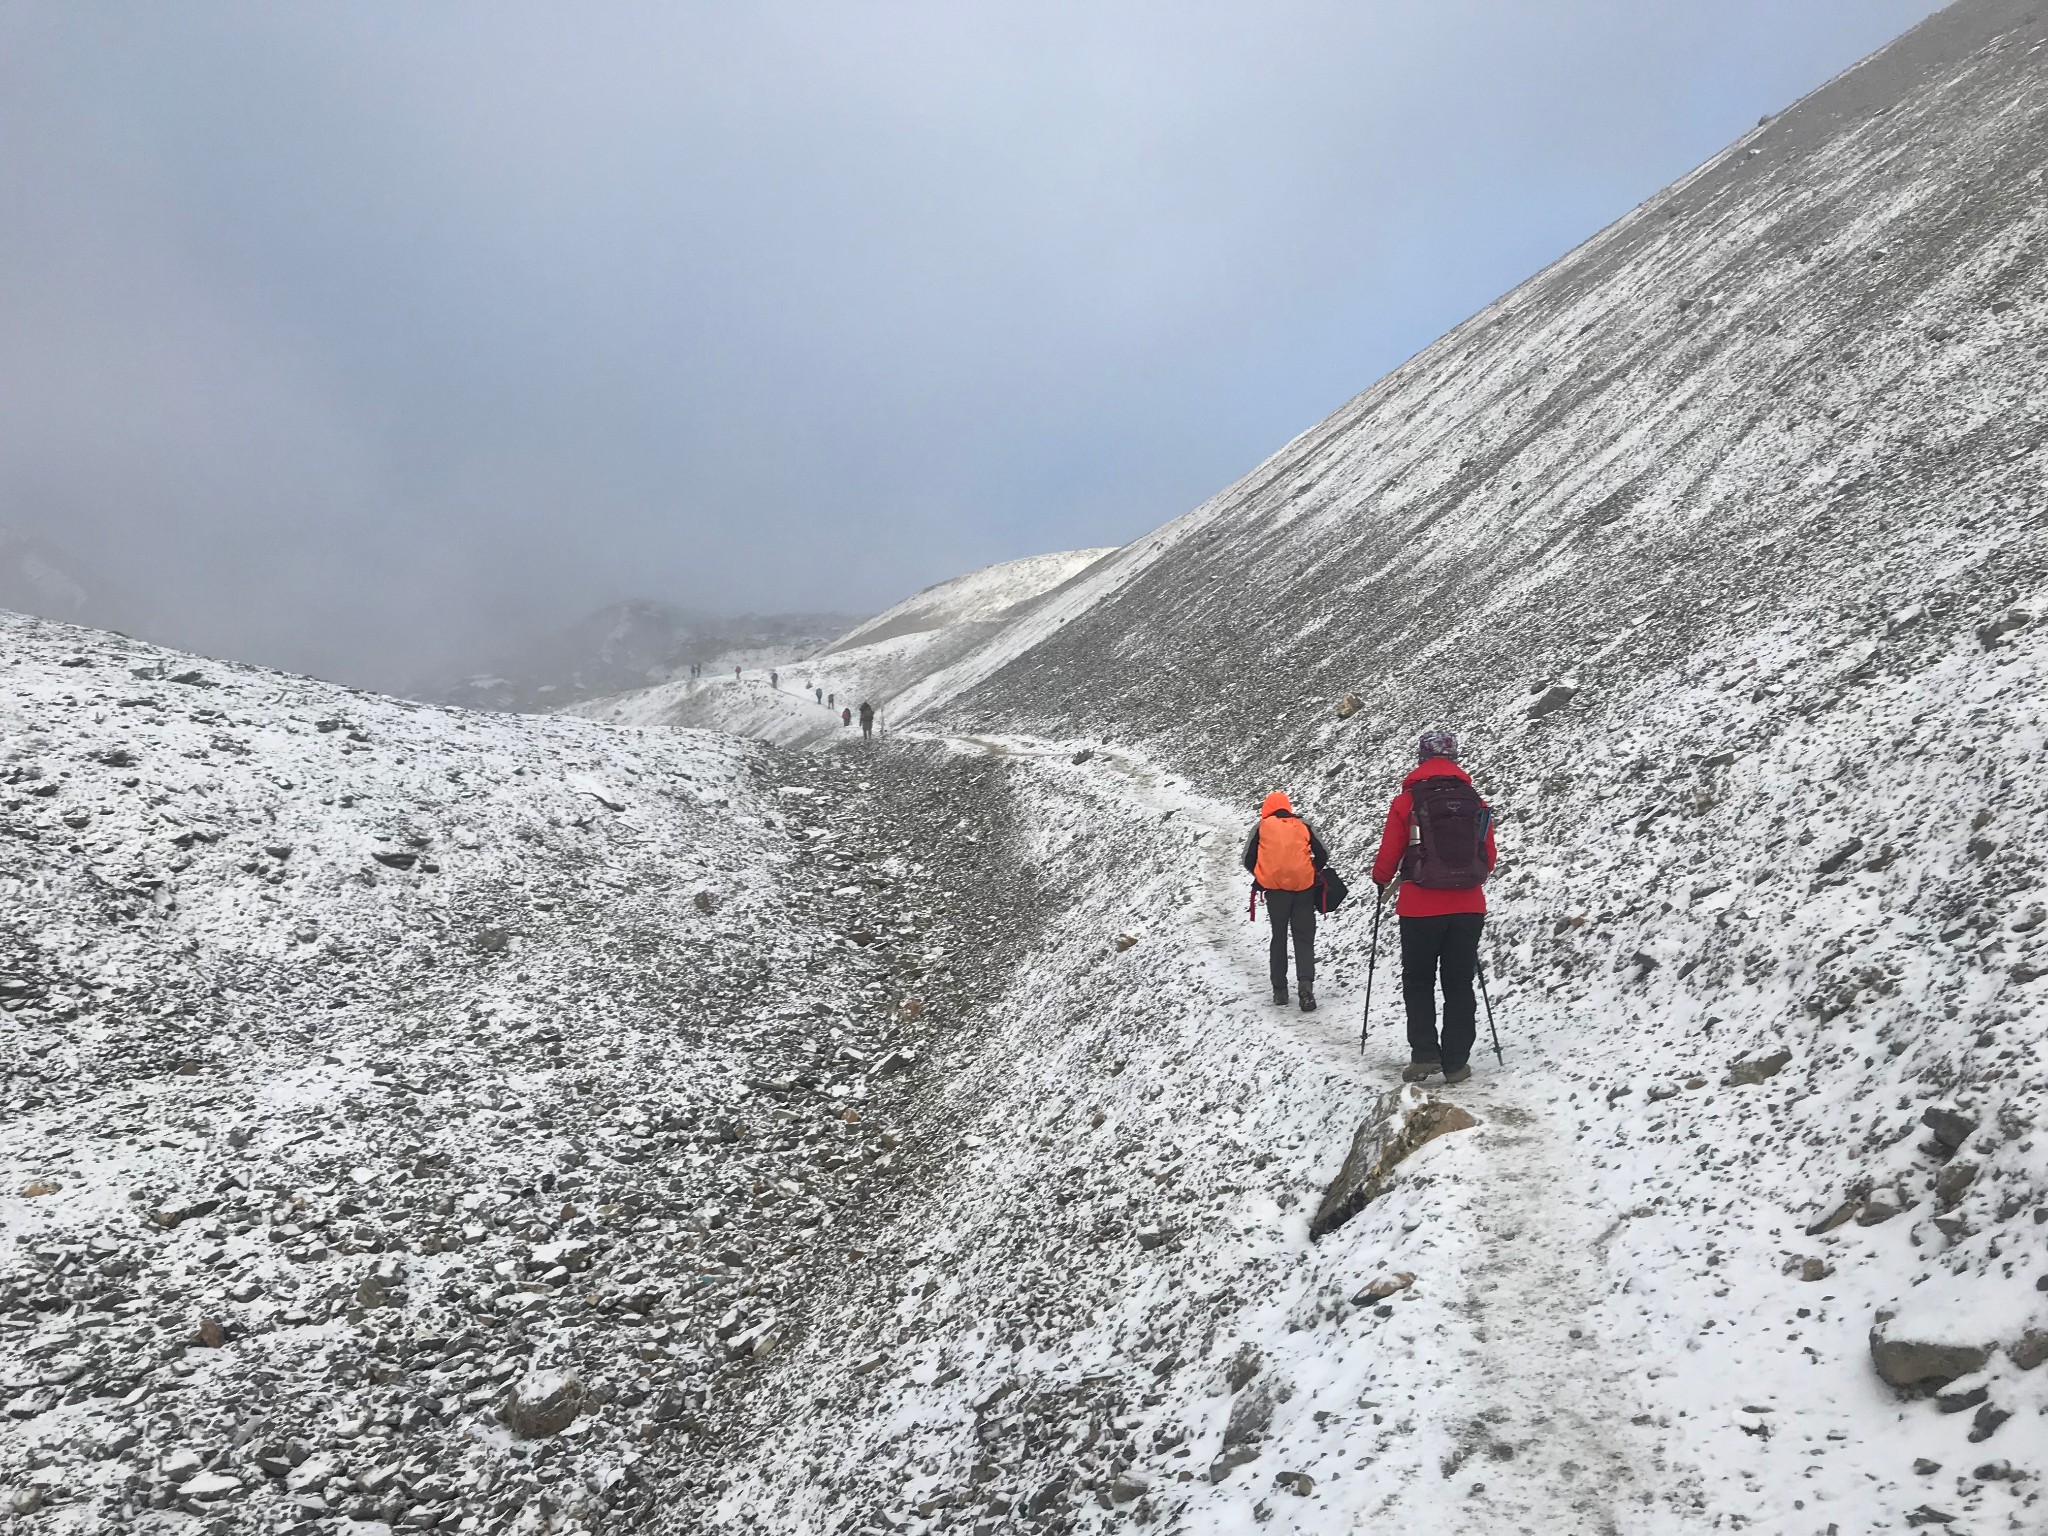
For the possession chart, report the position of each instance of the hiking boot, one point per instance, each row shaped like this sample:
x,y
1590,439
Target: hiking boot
x,y
1420,1070
1280,996
1308,1002
1458,1074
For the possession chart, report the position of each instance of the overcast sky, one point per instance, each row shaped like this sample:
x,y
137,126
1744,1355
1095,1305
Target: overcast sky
x,y
363,337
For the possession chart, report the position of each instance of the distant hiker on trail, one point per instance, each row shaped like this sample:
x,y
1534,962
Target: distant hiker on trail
x,y
846,717
867,719
735,674
820,694
774,679
1439,838
1284,856
831,699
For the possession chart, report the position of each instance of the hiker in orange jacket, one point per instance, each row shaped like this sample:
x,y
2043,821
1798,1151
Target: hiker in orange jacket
x,y
1284,856
1442,905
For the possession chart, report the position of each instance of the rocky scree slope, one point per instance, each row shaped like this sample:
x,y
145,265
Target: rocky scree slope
x,y
434,1118
1637,1294
1721,541
896,652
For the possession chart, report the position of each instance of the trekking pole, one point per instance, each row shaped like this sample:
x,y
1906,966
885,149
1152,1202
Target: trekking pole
x,y
1489,1014
1372,960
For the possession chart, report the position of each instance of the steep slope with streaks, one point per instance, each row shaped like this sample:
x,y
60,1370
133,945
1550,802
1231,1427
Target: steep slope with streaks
x,y
1721,542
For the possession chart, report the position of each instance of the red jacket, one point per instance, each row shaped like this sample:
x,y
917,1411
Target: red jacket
x,y
1415,900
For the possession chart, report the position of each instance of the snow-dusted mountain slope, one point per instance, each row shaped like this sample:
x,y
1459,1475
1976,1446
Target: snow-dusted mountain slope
x,y
633,645
428,1118
904,651
1721,543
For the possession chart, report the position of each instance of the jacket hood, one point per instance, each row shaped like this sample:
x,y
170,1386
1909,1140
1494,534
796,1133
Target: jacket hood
x,y
1434,768
1275,802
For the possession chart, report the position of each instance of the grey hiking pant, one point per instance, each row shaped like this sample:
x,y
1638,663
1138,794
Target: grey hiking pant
x,y
1292,912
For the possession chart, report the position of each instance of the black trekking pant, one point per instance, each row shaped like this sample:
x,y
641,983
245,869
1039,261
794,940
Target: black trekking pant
x,y
1449,944
1292,912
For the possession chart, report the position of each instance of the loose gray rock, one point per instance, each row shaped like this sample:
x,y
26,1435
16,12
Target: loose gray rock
x,y
1919,1362
1745,1074
1951,1127
543,1405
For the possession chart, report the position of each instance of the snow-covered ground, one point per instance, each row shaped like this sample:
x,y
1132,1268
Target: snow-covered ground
x,y
1603,1308
429,1118
899,1139
798,703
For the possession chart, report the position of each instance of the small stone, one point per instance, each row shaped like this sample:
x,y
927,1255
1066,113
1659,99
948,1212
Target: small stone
x,y
35,1188
210,1334
1300,1484
211,1485
494,941
179,1465
1951,1127
1550,699
1815,1269
396,858
1749,1073
172,1215
1151,1237
1243,1366
1349,705
1125,941
1234,1457
1925,1467
1082,756
1927,1514
1841,1213
1953,1182
1961,1395
1128,1486
705,902
2029,1349
1986,1423
1383,1287
1876,1210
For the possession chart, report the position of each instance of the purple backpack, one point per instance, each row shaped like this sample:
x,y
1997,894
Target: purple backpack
x,y
1446,836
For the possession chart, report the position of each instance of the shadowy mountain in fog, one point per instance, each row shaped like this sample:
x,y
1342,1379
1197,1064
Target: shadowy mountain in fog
x,y
41,577
632,645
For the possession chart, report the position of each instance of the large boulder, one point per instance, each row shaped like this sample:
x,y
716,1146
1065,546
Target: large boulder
x,y
541,1405
1400,1122
1916,1357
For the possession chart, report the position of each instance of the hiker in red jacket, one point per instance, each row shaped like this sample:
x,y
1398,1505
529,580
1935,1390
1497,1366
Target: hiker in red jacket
x,y
1439,838
1284,856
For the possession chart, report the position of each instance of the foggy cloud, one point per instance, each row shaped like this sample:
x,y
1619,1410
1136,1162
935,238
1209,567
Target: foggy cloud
x,y
361,339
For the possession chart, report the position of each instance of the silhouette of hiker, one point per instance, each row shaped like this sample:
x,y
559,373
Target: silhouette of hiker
x,y
1283,856
867,720
1439,836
